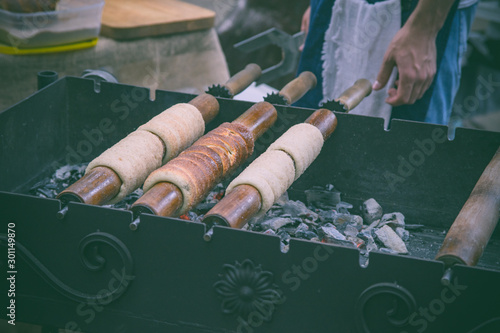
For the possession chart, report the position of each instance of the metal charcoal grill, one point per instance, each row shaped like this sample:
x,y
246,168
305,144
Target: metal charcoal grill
x,y
89,272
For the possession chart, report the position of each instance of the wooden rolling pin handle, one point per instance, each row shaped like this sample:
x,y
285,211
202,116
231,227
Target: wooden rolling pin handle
x,y
355,94
258,118
236,208
244,201
298,87
241,80
324,120
97,187
207,105
163,199
472,229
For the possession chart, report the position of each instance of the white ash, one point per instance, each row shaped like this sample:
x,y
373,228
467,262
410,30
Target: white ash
x,y
371,210
391,240
326,220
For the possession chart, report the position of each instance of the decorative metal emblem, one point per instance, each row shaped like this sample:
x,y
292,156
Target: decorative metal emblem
x,y
89,255
384,304
245,288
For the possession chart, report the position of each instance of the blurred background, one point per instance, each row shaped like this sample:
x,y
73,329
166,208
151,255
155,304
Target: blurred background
x,y
199,51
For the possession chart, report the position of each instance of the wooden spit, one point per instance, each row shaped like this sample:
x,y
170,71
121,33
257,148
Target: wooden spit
x,y
102,184
472,229
243,79
165,200
244,201
298,87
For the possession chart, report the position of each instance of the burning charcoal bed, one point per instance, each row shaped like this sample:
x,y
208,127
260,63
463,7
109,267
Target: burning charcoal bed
x,y
349,248
325,218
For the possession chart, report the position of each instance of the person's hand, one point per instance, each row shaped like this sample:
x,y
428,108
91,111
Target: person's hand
x,y
306,17
414,54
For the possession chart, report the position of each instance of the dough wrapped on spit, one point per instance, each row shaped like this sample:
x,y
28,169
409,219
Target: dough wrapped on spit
x,y
281,164
199,168
122,168
261,184
150,146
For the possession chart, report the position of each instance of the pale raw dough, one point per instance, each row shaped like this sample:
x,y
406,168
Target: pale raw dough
x,y
178,127
303,142
132,159
271,174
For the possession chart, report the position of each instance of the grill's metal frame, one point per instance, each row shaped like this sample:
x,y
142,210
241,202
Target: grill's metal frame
x,y
63,264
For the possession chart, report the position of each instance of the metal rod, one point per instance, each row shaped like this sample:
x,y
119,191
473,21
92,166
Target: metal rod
x,y
62,213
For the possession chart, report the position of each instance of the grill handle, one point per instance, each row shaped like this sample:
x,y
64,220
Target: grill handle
x,y
298,87
243,79
353,95
472,229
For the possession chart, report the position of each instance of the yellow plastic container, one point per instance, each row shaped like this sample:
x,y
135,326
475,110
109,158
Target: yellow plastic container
x,y
75,24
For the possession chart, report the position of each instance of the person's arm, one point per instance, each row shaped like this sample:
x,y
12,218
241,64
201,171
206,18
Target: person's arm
x,y
304,25
413,52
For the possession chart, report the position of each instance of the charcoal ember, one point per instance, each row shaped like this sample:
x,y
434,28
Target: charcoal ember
x,y
372,226
350,231
395,219
307,235
343,207
275,223
356,241
370,244
371,210
284,236
341,221
204,207
327,216
391,240
357,221
45,192
323,197
128,200
269,232
387,250
403,233
415,227
330,231
301,229
304,231
298,209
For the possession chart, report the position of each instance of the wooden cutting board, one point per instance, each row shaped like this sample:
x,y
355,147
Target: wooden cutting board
x,y
126,19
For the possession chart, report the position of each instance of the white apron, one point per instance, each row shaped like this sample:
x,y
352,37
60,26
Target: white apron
x,y
355,43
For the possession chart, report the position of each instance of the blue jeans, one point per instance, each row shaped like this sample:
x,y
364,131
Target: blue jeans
x,y
448,77
441,90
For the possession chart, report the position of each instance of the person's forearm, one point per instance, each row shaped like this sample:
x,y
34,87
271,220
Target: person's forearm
x,y
430,15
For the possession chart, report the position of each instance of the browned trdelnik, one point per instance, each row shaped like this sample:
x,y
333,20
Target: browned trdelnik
x,y
211,158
